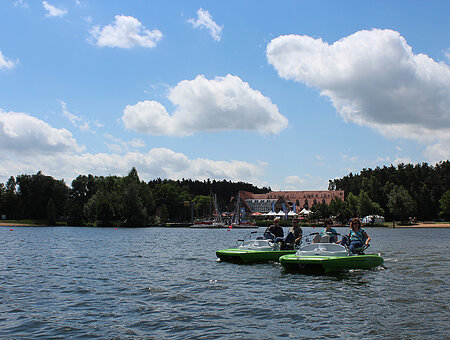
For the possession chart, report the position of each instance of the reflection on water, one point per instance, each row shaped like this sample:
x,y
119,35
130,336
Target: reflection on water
x,y
166,283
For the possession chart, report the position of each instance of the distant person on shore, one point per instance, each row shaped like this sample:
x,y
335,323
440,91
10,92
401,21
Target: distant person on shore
x,y
275,231
357,237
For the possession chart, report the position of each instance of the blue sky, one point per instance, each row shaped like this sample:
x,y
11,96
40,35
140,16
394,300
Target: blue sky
x,y
286,94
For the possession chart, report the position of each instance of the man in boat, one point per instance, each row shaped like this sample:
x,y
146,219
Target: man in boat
x,y
275,231
293,237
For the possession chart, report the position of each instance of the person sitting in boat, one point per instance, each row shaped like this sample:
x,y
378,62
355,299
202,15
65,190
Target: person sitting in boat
x,y
275,231
357,237
327,235
293,237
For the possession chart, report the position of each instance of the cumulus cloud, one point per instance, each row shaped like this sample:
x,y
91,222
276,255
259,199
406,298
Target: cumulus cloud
x,y
125,32
373,79
224,103
53,11
157,162
118,145
29,145
5,62
23,133
205,21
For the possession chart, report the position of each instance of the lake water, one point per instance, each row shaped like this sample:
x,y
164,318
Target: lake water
x,y
143,283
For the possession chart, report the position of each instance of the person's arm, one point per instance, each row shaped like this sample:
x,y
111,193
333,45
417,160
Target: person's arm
x,y
367,239
300,235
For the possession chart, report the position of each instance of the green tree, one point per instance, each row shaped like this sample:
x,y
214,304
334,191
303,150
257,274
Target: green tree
x,y
35,191
171,195
134,212
400,203
51,212
202,203
10,200
368,207
340,210
353,202
321,210
83,188
445,204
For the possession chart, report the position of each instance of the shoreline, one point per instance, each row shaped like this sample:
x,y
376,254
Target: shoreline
x,y
424,225
418,225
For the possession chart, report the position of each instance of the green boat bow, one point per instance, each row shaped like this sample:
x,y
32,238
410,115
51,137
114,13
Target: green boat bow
x,y
326,258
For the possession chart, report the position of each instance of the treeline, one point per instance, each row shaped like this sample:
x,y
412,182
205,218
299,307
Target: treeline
x,y
113,200
421,191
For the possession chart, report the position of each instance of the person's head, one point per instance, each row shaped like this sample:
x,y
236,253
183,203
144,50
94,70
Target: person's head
x,y
276,220
355,224
328,224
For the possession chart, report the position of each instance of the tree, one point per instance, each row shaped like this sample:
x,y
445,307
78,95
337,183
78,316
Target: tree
x,y
445,205
10,200
134,212
51,212
400,203
353,202
340,209
321,210
34,193
171,195
203,203
366,206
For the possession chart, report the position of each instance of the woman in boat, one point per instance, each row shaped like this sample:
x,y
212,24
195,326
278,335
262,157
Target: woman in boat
x,y
357,237
330,233
275,231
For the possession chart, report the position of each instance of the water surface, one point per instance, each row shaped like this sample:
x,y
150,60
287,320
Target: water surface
x,y
138,283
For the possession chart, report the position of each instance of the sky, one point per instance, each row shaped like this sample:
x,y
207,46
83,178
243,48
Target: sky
x,y
285,94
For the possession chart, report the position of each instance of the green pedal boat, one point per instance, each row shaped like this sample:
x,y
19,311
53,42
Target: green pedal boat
x,y
253,250
327,257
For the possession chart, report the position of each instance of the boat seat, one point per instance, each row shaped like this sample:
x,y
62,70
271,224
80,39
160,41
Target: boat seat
x,y
316,238
325,239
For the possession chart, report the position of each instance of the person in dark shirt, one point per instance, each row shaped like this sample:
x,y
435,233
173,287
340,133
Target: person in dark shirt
x,y
275,230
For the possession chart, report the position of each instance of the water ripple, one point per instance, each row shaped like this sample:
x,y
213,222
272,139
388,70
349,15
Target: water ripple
x,y
60,283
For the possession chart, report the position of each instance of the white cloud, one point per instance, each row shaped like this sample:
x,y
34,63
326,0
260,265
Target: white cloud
x,y
373,79
20,3
157,162
205,21
306,182
118,145
76,121
5,62
29,145
23,133
125,32
224,103
53,11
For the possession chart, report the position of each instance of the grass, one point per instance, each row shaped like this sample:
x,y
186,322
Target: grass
x,y
37,223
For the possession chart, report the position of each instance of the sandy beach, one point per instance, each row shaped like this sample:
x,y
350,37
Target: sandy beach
x,y
425,225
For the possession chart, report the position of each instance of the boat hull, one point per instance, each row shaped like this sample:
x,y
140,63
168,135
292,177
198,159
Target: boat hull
x,y
245,256
327,264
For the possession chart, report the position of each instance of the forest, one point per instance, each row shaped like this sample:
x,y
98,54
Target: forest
x,y
418,191
397,192
113,200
